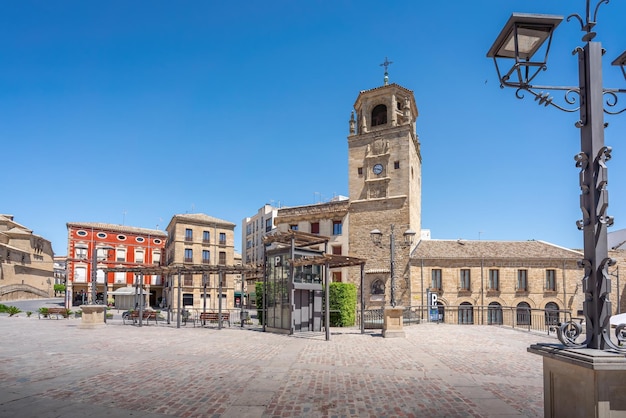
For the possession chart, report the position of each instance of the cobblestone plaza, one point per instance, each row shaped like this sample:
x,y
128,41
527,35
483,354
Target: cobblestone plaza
x,y
53,368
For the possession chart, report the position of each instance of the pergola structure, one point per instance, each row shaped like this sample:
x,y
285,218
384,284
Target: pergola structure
x,y
297,239
180,269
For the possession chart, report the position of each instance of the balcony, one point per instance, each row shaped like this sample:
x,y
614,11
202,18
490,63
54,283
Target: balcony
x,y
188,260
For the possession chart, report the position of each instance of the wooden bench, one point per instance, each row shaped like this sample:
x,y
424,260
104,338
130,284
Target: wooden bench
x,y
56,312
147,316
213,317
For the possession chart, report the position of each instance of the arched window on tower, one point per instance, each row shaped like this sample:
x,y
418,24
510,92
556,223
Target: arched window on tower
x,y
379,115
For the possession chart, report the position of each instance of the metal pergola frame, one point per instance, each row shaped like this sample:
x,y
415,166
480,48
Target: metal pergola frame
x,y
180,269
298,239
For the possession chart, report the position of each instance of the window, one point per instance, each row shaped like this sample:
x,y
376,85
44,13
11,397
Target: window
x,y
396,164
100,276
222,258
188,234
206,257
315,227
293,227
187,299
494,314
552,313
378,287
222,238
435,282
466,313
121,237
156,257
551,280
359,171
336,249
188,255
188,280
102,253
523,313
80,275
494,279
139,256
101,235
206,236
80,253
337,227
140,239
268,225
81,233
522,281
120,254
379,115
465,280
119,277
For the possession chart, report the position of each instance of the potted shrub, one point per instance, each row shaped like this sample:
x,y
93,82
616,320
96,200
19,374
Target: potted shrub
x,y
13,310
43,311
28,313
78,314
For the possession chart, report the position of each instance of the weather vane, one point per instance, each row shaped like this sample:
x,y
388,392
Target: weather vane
x,y
386,64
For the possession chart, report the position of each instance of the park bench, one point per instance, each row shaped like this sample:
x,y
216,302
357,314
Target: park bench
x,y
205,317
133,317
54,311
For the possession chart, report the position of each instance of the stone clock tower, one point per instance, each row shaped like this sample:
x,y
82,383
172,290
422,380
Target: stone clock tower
x,y
385,171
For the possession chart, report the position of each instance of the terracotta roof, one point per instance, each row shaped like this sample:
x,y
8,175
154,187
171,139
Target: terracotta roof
x,y
448,249
201,217
117,228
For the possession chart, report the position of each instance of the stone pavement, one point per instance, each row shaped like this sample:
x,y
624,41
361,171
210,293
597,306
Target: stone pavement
x,y
52,368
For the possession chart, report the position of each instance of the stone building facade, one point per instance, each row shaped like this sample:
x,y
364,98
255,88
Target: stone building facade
x,y
497,274
384,179
200,239
26,262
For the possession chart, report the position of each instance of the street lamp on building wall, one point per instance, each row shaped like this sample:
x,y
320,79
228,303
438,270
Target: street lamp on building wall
x,y
521,40
376,236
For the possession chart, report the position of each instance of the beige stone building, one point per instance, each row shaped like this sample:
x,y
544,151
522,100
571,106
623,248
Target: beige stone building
x,y
328,219
201,240
497,274
26,262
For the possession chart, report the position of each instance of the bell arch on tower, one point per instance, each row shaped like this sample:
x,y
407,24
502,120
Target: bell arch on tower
x,y
379,115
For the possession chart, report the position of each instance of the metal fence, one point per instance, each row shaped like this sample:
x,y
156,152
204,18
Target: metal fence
x,y
539,320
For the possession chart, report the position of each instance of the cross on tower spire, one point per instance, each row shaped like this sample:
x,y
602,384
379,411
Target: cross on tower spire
x,y
386,64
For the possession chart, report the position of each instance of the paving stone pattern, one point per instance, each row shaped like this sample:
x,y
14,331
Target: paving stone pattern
x,y
53,368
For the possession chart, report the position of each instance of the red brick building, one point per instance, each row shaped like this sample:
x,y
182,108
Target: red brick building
x,y
114,246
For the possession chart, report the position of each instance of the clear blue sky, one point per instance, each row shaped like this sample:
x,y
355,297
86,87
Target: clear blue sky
x,y
133,111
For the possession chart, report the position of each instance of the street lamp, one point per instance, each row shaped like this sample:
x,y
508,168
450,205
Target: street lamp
x,y
523,36
94,267
376,236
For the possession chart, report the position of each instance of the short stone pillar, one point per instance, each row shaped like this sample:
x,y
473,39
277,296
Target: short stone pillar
x,y
93,316
392,323
582,382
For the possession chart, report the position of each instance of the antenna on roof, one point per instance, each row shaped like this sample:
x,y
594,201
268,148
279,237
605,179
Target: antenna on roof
x,y
124,218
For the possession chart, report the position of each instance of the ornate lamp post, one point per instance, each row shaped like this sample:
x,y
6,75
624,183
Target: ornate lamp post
x,y
522,38
376,236
94,273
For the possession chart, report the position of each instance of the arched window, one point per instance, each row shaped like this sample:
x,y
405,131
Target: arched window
x,y
523,313
379,115
378,287
466,313
552,313
494,314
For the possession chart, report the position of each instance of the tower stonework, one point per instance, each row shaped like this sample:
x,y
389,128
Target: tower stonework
x,y
385,171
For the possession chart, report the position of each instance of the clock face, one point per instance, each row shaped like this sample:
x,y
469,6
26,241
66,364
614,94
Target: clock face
x,y
377,169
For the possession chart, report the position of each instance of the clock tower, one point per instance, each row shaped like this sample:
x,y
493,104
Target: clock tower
x,y
385,171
